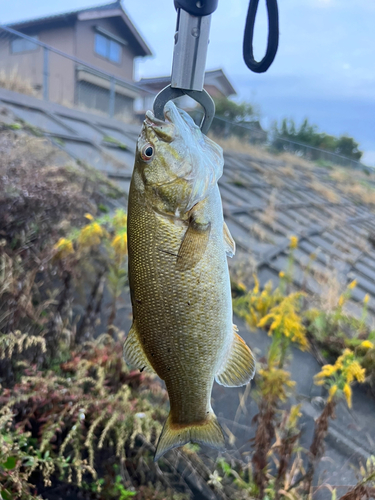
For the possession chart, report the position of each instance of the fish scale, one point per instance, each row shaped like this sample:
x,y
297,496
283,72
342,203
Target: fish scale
x,y
179,280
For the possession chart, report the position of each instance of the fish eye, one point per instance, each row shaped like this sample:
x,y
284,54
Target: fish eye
x,y
147,152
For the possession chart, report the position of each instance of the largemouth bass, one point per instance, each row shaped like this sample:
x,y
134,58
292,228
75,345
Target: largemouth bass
x,y
178,244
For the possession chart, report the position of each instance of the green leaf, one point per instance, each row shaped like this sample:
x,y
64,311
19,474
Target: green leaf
x,y
127,494
6,495
10,463
224,465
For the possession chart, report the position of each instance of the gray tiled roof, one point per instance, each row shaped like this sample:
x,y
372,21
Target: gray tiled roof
x,y
266,200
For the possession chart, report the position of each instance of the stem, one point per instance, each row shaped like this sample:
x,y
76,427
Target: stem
x,y
112,316
317,445
263,438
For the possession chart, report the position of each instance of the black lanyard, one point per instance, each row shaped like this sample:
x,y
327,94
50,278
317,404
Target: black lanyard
x,y
273,36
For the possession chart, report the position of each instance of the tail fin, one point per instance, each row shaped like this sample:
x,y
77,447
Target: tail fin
x,y
208,432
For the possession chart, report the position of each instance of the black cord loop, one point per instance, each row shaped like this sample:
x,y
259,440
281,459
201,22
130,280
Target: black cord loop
x,y
273,36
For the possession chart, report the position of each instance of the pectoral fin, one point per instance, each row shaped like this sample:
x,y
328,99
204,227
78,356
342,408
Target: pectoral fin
x,y
230,245
239,367
193,245
133,352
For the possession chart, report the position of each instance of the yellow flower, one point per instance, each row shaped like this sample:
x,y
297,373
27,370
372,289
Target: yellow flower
x,y
63,247
293,242
274,383
352,285
319,382
366,344
256,285
120,219
348,394
332,392
326,372
120,244
355,371
89,217
342,299
264,321
285,321
282,274
366,298
294,415
90,235
241,286
252,318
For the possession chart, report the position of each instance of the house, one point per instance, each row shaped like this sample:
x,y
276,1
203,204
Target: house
x,y
215,82
103,37
217,85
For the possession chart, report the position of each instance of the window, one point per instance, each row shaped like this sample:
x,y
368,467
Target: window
x,y
22,45
105,47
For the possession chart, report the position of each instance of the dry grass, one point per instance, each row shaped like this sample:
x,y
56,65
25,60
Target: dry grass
x,y
295,161
357,186
242,268
13,81
290,166
327,192
268,216
288,171
236,145
331,289
261,233
339,175
360,192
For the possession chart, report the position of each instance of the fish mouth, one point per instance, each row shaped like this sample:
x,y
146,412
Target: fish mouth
x,y
165,130
152,120
170,112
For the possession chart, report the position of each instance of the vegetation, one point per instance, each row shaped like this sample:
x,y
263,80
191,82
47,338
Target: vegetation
x,y
74,417
277,433
71,413
308,135
239,120
13,81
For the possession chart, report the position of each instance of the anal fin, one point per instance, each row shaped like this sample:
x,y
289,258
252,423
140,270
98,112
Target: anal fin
x,y
208,432
239,367
133,351
230,245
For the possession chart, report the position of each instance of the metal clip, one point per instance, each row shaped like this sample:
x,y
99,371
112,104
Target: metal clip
x,y
200,96
189,60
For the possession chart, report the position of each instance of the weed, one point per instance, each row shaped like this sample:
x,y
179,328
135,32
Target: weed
x,y
112,140
12,80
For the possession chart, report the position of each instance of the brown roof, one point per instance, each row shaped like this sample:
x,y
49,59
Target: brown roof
x,y
115,9
216,78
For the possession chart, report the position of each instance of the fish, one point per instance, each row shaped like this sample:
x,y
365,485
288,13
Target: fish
x,y
178,245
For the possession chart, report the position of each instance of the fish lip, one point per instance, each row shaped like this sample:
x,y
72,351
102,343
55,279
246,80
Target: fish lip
x,y
152,120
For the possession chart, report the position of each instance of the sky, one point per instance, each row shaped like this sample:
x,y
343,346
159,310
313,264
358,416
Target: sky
x,y
324,68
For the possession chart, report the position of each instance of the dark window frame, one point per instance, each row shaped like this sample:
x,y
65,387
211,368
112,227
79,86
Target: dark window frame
x,y
108,41
26,51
